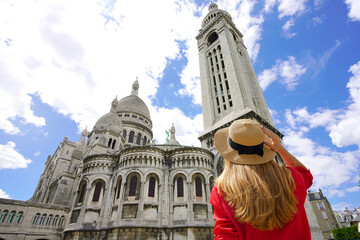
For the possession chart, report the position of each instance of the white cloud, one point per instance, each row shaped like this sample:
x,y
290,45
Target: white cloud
x,y
331,169
286,7
78,59
187,129
37,153
286,28
11,158
334,170
353,189
346,131
4,194
341,206
354,9
287,72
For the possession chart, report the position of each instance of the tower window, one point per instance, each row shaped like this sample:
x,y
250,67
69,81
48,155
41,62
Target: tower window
x,y
223,98
113,144
124,133
217,101
144,141
211,62
224,106
212,38
222,64
225,76
109,143
227,85
230,103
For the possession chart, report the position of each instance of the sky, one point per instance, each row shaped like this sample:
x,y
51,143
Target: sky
x,y
62,62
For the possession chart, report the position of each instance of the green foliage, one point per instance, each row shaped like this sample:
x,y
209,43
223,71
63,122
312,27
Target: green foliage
x,y
346,233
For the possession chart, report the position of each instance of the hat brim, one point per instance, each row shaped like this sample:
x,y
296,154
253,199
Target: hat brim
x,y
221,144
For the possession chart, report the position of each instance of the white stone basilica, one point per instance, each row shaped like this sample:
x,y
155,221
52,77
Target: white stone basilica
x,y
116,183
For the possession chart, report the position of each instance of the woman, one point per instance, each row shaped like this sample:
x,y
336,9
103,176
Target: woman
x,y
254,197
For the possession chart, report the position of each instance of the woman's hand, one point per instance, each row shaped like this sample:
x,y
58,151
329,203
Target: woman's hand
x,y
273,141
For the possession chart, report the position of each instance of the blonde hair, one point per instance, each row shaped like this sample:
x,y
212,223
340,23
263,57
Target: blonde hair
x,y
262,195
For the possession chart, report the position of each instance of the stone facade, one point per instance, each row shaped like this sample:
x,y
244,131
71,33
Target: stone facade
x,y
115,183
324,213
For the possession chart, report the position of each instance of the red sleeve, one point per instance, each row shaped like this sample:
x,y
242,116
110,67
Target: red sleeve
x,y
305,176
224,229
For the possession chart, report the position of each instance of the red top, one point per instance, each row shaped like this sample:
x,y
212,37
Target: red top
x,y
226,227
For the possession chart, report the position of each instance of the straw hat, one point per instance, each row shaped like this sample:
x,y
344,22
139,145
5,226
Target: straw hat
x,y
243,143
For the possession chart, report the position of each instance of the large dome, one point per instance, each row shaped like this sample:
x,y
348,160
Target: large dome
x,y
133,104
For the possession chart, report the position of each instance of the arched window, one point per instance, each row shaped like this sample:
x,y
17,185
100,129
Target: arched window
x,y
3,215
56,218
138,139
131,137
109,143
124,133
42,219
144,141
97,192
133,182
36,218
198,187
180,187
212,38
151,192
211,181
118,188
49,219
113,144
11,216
61,222
18,218
82,192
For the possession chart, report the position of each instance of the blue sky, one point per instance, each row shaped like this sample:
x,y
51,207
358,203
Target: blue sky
x,y
63,62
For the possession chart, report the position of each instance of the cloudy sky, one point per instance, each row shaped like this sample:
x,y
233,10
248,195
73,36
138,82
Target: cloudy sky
x,y
62,62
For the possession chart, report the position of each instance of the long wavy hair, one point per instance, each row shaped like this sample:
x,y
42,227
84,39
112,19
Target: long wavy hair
x,y
262,195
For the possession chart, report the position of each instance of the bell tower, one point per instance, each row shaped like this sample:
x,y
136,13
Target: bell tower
x,y
229,87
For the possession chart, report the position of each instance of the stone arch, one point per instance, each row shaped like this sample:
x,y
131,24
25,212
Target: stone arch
x,y
212,37
152,186
180,187
97,191
81,192
132,186
198,185
119,181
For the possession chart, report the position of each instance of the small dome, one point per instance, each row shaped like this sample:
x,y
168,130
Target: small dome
x,y
109,120
213,6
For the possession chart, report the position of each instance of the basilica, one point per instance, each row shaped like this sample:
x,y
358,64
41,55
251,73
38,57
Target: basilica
x,y
116,183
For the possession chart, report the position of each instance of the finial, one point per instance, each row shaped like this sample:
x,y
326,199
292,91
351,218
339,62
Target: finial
x,y
114,105
213,6
135,87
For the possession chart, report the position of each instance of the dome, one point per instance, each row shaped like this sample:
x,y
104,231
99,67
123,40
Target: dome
x,y
133,103
107,121
213,14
